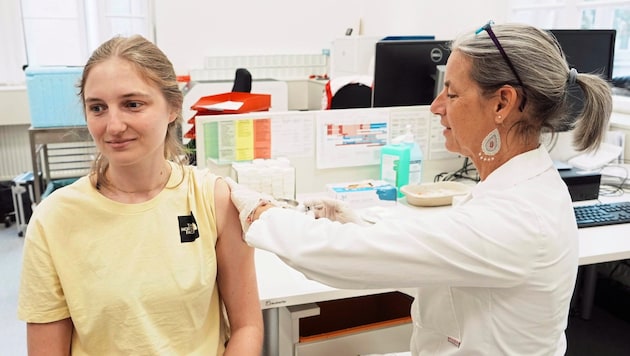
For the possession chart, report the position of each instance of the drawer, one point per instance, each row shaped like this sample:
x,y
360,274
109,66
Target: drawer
x,y
379,323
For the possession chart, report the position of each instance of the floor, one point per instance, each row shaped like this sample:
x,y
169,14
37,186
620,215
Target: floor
x,y
604,335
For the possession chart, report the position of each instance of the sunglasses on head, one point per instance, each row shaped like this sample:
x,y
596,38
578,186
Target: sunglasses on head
x,y
488,28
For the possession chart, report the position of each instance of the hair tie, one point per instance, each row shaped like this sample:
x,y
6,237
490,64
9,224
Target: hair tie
x,y
572,76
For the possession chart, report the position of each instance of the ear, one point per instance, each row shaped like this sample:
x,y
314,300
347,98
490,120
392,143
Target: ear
x,y
172,116
507,102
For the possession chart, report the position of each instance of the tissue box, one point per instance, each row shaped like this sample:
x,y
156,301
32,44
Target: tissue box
x,y
363,194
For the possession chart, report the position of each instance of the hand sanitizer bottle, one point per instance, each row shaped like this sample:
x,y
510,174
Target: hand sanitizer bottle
x,y
395,163
415,158
401,161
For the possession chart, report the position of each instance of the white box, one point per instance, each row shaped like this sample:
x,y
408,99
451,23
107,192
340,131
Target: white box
x,y
364,194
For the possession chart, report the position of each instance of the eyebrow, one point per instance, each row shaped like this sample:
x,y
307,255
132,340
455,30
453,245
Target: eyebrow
x,y
125,96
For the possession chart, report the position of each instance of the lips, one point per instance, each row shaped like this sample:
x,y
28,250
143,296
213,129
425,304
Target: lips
x,y
118,143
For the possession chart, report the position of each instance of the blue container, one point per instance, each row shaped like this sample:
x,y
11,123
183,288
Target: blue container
x,y
52,96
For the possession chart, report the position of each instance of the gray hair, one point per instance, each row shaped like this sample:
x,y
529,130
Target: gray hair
x,y
546,77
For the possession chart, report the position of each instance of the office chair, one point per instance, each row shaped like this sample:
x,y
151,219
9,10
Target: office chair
x,y
348,92
354,95
242,81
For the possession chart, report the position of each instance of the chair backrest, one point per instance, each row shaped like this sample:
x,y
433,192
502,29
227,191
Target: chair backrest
x,y
352,95
242,81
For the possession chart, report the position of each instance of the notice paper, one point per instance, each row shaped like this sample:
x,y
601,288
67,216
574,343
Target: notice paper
x,y
224,105
347,138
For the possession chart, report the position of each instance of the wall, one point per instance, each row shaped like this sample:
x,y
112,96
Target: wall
x,y
14,106
190,30
187,31
14,122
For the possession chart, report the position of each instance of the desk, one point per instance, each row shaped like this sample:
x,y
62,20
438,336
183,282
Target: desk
x,y
39,138
597,245
281,286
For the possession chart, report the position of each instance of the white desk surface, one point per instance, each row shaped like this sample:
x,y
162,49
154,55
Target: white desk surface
x,y
280,285
604,243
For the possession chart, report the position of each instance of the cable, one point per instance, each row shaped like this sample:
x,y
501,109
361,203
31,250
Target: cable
x,y
467,172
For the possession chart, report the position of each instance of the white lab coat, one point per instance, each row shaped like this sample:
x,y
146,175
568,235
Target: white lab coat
x,y
494,274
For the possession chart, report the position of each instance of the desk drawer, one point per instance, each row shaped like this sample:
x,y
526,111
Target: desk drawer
x,y
379,340
377,323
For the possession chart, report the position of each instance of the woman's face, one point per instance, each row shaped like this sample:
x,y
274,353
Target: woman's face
x,y
466,115
127,117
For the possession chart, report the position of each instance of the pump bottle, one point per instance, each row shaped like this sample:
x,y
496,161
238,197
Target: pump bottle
x,y
401,161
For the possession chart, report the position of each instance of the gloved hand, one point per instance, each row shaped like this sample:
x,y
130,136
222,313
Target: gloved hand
x,y
246,200
332,209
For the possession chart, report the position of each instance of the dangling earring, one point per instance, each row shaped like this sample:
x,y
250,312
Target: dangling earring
x,y
490,146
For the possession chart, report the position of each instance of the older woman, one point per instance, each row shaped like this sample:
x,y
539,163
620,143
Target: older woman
x,y
494,274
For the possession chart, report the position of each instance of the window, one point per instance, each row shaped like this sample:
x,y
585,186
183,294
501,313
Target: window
x,y
587,14
65,32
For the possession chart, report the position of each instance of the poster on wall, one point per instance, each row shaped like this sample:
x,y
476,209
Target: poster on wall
x,y
349,138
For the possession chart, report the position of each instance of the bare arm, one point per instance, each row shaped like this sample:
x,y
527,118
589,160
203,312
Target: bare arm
x,y
236,278
49,339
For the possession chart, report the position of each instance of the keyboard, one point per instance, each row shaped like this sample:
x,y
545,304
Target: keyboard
x,y
602,214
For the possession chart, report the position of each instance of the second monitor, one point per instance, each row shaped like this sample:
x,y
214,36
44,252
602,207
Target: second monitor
x,y
405,71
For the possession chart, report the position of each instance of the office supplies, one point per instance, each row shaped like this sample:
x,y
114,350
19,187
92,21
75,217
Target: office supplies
x,y
602,214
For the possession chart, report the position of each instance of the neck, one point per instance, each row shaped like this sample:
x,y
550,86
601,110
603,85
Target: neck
x,y
135,181
486,166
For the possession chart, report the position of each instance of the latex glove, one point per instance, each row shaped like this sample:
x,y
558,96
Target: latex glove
x,y
246,200
332,209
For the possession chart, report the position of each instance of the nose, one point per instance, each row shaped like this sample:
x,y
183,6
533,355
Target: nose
x,y
437,106
115,122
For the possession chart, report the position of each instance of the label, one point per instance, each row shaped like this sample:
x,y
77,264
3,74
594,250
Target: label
x,y
415,171
389,169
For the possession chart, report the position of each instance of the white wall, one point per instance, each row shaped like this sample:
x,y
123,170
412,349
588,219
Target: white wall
x,y
187,31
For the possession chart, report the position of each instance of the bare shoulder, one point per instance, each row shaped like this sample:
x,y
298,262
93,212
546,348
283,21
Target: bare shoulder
x,y
222,200
226,213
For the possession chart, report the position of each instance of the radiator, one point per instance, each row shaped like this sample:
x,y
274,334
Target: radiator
x,y
15,153
68,159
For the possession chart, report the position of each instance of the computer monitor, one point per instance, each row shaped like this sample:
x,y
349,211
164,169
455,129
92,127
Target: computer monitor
x,y
588,51
405,71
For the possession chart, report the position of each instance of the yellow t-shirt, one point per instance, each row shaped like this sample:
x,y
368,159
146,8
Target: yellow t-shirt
x,y
136,279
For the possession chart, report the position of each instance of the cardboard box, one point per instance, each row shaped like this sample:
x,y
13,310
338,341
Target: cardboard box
x,y
53,96
363,194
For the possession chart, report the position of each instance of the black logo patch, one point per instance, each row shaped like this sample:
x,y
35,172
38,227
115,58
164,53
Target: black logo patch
x,y
188,230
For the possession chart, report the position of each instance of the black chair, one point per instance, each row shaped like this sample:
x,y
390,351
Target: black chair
x,y
242,81
352,95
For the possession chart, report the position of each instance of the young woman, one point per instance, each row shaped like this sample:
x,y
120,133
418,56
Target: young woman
x,y
144,255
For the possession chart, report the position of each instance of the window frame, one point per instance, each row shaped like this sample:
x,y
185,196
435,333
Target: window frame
x,y
569,14
65,32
